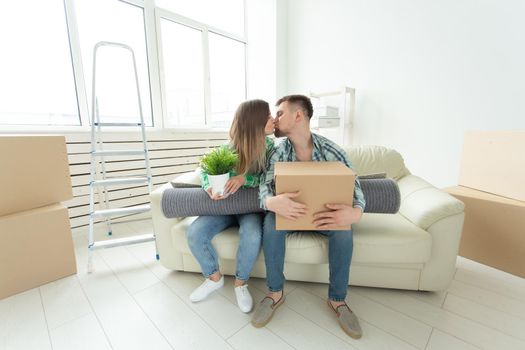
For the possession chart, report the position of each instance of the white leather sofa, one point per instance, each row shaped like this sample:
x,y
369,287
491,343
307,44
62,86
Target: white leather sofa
x,y
413,249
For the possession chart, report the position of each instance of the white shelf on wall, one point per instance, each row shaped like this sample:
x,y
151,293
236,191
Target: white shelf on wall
x,y
334,114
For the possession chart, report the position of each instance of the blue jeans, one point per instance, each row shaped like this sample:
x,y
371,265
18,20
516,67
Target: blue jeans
x,y
340,246
204,228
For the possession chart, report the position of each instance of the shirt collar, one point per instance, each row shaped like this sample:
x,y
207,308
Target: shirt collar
x,y
316,152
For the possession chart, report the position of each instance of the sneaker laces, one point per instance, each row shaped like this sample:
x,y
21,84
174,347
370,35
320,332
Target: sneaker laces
x,y
243,289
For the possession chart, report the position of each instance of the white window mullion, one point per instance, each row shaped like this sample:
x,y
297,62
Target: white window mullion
x,y
154,56
76,57
206,75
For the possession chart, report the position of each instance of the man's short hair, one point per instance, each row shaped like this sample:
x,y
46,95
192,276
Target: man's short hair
x,y
301,101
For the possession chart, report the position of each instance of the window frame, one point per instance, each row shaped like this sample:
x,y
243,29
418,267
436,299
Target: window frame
x,y
152,16
163,14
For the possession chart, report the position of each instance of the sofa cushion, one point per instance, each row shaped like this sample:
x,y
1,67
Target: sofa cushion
x,y
377,159
378,238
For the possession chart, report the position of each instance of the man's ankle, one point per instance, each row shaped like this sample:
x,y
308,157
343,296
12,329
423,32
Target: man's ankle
x,y
336,304
276,296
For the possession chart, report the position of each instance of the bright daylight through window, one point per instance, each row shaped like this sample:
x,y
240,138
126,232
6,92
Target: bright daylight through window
x,y
196,54
36,74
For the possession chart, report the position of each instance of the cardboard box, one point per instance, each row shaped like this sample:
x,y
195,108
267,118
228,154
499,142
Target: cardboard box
x,y
494,162
36,247
320,183
494,230
35,172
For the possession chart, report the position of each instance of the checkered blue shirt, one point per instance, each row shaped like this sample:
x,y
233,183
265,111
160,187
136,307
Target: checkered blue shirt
x,y
324,150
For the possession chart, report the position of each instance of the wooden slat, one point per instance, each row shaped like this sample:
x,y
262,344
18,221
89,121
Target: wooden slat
x,y
171,153
134,164
112,195
85,158
118,203
83,180
151,136
84,220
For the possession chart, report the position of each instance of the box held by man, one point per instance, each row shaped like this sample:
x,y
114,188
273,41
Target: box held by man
x,y
319,183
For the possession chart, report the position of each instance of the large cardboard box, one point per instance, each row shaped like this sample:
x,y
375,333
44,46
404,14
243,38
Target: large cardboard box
x,y
36,247
320,183
35,172
494,230
494,162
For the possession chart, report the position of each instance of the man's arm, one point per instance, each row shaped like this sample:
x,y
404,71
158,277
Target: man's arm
x,y
341,214
281,204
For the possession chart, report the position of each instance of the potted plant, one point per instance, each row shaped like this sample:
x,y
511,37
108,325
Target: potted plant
x,y
217,164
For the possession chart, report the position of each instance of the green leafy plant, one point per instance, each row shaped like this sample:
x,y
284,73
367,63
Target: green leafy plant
x,y
219,161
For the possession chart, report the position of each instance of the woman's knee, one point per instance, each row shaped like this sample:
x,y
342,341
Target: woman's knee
x,y
195,234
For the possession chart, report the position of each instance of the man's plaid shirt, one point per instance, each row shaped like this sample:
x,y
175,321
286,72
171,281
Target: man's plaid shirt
x,y
324,150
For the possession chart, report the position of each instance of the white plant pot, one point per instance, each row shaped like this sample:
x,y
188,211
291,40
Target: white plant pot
x,y
217,183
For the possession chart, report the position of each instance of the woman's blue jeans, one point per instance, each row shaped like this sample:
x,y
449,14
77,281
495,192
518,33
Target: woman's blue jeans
x,y
204,228
340,247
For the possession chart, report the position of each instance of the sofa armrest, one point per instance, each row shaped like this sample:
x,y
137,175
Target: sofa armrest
x,y
424,204
441,215
162,226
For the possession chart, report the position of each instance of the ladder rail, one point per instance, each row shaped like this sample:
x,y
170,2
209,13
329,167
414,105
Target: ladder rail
x,y
105,195
98,156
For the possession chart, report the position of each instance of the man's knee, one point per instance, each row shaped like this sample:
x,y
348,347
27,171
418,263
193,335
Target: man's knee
x,y
269,222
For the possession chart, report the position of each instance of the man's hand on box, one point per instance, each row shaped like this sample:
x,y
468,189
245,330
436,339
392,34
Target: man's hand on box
x,y
283,205
339,215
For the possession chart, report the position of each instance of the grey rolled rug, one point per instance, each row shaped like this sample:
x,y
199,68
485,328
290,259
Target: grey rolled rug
x,y
381,194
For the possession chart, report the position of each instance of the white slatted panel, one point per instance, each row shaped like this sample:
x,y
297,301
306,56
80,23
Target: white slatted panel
x,y
170,154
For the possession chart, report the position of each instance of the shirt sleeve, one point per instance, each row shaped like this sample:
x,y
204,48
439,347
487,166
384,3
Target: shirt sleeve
x,y
267,185
251,180
359,198
205,183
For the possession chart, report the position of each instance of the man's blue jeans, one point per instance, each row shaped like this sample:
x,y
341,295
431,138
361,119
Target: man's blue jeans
x,y
204,228
340,246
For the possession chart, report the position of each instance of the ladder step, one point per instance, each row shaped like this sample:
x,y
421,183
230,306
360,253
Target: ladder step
x,y
110,243
120,181
130,152
117,124
121,211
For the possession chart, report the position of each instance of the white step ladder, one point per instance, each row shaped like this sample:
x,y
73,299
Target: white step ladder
x,y
98,154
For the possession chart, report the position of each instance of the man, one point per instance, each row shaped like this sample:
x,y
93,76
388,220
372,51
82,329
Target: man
x,y
293,121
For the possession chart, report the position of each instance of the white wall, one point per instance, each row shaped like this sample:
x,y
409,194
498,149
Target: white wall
x,y
424,71
261,70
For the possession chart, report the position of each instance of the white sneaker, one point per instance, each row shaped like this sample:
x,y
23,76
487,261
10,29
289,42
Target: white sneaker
x,y
205,289
244,298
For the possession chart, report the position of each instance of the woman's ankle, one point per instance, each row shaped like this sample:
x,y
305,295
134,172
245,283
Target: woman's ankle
x,y
239,283
215,277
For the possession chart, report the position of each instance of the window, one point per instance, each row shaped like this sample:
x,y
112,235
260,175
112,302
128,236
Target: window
x,y
36,85
114,21
227,78
198,75
183,74
203,72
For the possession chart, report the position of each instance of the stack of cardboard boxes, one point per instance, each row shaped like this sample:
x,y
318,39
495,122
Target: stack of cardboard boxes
x,y
36,245
492,186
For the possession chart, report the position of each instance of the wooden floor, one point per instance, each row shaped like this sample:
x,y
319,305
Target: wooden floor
x,y
132,302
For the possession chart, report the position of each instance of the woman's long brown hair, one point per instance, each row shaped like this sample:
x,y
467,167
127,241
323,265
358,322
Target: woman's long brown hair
x,y
248,137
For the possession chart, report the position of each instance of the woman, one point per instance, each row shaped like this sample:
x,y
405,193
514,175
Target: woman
x,y
251,123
